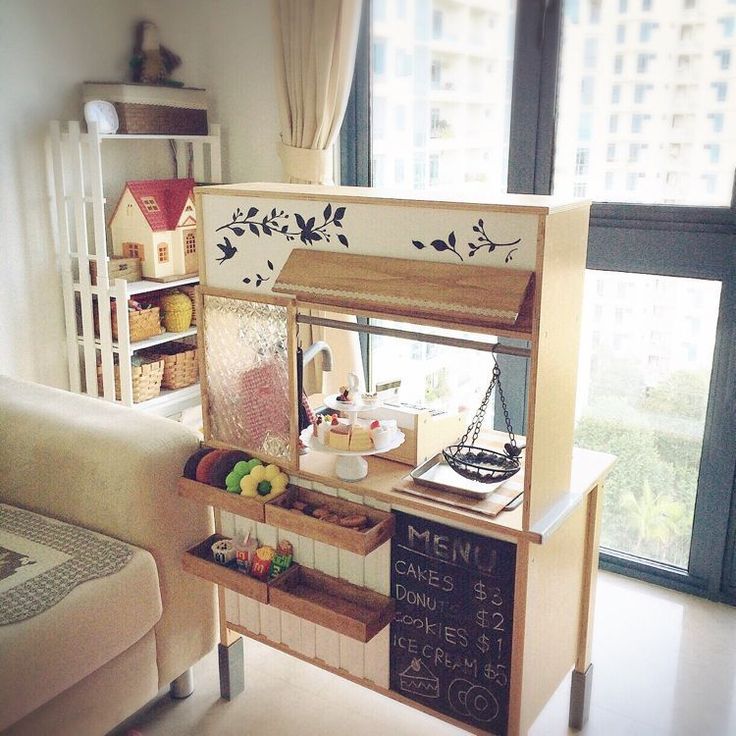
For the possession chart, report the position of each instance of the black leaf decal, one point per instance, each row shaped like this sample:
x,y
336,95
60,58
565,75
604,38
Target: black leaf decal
x,y
339,213
299,221
316,236
451,239
266,230
310,223
246,280
440,245
418,244
327,212
270,265
484,241
342,239
252,212
254,229
238,231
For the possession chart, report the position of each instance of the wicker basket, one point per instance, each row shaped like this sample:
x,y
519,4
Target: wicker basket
x,y
143,324
181,367
145,379
191,292
177,311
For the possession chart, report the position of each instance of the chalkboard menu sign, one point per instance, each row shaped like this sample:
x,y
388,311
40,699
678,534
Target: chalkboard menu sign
x,y
451,635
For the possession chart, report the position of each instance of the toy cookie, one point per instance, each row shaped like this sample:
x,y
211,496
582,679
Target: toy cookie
x,y
190,467
224,464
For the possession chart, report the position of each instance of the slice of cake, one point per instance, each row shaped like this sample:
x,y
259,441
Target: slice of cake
x,y
338,438
360,439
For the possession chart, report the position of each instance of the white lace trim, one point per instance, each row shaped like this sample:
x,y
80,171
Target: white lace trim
x,y
403,301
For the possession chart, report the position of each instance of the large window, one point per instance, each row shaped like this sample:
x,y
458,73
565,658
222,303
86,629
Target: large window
x,y
629,104
442,109
683,96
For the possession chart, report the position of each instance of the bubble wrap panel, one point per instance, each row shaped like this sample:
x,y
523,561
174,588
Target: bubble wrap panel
x,y
246,363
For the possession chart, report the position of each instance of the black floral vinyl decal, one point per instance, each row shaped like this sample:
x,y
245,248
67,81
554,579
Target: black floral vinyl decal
x,y
450,244
277,223
485,242
441,245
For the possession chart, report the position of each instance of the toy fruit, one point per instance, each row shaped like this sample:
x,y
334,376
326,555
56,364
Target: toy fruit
x,y
264,482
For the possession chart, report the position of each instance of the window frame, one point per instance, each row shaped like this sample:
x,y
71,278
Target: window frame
x,y
691,242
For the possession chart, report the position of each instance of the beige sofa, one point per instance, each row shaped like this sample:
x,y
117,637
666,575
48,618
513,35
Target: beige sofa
x,y
110,644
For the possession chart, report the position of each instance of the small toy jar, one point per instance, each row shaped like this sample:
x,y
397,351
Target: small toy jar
x,y
176,308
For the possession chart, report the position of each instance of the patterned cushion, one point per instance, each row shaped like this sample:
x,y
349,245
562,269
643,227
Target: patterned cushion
x,y
70,600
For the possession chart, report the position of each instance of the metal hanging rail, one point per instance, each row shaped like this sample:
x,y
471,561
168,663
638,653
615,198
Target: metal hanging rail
x,y
456,342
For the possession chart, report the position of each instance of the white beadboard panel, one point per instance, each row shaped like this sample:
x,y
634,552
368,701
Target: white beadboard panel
x,y
327,645
232,610
377,569
291,633
244,526
270,622
350,496
376,504
376,658
326,558
301,482
267,534
374,229
352,655
250,614
322,488
304,551
227,524
308,639
351,567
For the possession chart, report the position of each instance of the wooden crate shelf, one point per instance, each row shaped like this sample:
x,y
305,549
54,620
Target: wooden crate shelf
x,y
381,529
337,605
210,495
198,561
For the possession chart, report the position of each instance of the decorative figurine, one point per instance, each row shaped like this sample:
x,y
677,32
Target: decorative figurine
x,y
152,63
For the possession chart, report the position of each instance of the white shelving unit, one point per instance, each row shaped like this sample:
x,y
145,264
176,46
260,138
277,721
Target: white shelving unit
x,y
75,168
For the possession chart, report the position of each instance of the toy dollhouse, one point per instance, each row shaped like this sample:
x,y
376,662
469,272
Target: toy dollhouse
x,y
155,221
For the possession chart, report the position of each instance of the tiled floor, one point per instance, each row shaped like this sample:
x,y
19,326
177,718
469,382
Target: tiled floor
x,y
665,664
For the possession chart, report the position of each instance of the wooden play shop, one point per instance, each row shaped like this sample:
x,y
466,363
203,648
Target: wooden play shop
x,y
467,605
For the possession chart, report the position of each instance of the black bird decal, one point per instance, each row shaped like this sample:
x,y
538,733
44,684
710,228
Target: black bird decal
x,y
228,251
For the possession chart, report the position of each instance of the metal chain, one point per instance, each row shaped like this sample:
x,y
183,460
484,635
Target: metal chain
x,y
480,413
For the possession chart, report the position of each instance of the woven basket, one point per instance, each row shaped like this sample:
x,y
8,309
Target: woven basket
x,y
177,311
180,364
145,379
191,292
143,324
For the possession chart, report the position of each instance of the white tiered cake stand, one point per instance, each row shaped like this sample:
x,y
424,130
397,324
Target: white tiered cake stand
x,y
349,465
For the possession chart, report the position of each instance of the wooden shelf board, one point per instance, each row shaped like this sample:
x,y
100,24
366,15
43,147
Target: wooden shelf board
x,y
159,137
484,296
143,286
221,499
589,468
355,612
279,514
198,561
179,397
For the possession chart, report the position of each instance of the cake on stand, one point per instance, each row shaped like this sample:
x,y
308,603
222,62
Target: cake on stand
x,y
350,465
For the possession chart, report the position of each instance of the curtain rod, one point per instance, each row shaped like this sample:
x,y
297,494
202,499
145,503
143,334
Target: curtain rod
x,y
455,342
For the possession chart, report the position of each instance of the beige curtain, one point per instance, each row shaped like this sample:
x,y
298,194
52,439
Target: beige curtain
x,y
315,44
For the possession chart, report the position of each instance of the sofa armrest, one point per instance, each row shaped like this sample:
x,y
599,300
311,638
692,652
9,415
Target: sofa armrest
x,y
113,469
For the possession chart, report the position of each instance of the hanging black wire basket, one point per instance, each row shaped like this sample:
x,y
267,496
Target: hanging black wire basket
x,y
479,463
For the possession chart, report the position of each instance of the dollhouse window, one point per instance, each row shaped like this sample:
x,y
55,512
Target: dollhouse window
x,y
133,250
163,253
190,244
150,204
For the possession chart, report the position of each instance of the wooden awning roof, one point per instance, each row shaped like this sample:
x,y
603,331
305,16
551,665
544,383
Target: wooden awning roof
x,y
423,290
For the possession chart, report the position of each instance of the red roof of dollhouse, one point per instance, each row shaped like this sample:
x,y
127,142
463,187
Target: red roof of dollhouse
x,y
170,195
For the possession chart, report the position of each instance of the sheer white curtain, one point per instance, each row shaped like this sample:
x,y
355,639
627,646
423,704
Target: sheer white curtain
x,y
315,43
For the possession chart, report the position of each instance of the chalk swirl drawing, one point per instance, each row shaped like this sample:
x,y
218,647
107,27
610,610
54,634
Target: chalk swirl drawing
x,y
418,679
471,700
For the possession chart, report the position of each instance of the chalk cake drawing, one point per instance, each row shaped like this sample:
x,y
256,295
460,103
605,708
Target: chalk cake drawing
x,y
418,679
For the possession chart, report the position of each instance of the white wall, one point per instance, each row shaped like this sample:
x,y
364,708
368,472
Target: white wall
x,y
47,48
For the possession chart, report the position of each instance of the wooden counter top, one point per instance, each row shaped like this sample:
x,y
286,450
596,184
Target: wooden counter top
x,y
384,477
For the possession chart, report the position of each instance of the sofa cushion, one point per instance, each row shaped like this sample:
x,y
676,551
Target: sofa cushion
x,y
92,621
